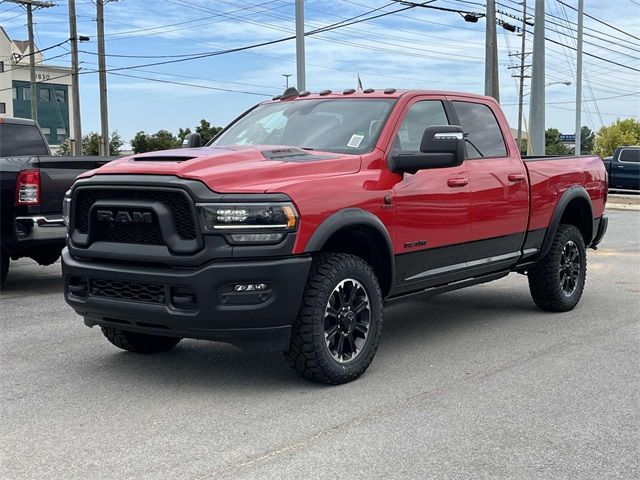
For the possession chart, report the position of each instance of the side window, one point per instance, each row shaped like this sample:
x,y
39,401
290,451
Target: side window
x,y
482,133
420,116
630,156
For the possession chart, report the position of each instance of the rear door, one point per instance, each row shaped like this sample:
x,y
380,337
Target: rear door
x,y
499,186
626,170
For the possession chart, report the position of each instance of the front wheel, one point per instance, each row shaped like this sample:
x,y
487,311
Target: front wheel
x,y
557,281
336,334
139,342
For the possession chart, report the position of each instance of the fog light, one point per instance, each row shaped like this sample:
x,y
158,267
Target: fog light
x,y
251,287
256,237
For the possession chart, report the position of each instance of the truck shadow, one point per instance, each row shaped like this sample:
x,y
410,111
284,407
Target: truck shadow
x,y
28,278
409,327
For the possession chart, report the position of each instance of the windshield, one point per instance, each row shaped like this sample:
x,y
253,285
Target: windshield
x,y
342,126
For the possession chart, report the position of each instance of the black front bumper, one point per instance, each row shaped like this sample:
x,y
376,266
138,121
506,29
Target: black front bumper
x,y
192,302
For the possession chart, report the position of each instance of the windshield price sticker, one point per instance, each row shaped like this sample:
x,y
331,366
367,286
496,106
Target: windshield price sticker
x,y
355,141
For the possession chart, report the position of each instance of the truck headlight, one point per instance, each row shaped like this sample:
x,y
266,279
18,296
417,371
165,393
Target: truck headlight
x,y
249,222
66,207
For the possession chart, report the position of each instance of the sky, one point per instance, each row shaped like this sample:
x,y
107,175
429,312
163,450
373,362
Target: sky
x,y
418,48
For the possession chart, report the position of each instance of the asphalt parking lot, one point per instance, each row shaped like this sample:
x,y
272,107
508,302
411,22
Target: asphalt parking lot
x,y
472,384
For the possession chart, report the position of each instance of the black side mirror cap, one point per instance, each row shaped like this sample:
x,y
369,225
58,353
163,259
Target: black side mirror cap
x,y
442,146
193,140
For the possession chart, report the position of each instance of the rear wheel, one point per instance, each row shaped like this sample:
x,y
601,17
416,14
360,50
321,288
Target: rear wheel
x,y
139,342
4,266
336,334
557,281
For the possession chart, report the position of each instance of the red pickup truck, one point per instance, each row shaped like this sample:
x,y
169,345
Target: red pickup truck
x,y
308,213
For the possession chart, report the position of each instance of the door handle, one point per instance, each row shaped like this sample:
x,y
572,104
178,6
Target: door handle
x,y
516,177
457,182
620,166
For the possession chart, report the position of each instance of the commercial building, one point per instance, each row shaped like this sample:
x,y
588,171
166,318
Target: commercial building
x,y
53,90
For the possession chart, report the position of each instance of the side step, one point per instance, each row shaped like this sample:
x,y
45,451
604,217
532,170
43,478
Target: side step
x,y
428,292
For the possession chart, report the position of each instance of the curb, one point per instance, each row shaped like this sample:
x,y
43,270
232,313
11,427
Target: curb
x,y
622,206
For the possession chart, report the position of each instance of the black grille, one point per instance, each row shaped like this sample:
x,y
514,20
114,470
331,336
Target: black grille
x,y
144,233
134,291
176,202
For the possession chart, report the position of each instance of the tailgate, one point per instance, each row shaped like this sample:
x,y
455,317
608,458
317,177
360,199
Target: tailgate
x,y
57,174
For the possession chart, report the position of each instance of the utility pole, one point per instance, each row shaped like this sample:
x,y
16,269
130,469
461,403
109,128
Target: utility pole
x,y
491,79
522,67
75,81
29,5
579,79
300,73
102,80
537,104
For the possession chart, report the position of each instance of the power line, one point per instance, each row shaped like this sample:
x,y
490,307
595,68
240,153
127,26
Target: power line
x,y
207,87
599,21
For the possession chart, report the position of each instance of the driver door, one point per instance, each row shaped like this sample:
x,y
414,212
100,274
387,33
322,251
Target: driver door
x,y
433,207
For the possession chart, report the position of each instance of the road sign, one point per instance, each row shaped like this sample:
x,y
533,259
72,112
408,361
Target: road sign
x,y
568,137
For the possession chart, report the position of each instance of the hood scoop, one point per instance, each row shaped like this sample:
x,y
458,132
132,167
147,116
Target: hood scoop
x,y
163,158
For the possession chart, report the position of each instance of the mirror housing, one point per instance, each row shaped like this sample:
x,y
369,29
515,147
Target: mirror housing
x,y
442,146
193,140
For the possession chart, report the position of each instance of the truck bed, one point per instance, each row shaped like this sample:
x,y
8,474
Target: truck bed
x,y
550,176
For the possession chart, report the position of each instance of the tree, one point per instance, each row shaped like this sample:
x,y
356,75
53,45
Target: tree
x,y
91,145
182,134
587,140
161,140
619,133
140,143
553,145
206,131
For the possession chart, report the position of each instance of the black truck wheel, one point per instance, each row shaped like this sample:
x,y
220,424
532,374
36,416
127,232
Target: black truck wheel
x,y
4,266
557,281
139,342
336,334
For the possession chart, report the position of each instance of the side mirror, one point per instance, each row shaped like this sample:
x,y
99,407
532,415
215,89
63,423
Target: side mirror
x,y
193,140
442,146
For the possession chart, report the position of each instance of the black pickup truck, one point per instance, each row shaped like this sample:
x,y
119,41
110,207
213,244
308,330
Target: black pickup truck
x,y
32,187
623,168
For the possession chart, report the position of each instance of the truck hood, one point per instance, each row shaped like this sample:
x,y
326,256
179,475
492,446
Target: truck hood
x,y
237,169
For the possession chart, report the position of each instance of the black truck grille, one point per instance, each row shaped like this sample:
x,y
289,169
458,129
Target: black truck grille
x,y
133,291
141,233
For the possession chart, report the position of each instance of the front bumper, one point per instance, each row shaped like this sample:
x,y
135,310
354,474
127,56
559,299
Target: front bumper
x,y
192,302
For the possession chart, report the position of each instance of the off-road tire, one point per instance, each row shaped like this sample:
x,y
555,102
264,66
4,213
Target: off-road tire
x,y
4,266
545,278
139,342
308,353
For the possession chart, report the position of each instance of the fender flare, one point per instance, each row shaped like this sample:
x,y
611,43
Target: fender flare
x,y
350,217
573,192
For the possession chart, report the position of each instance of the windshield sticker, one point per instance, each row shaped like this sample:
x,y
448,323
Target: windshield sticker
x,y
355,141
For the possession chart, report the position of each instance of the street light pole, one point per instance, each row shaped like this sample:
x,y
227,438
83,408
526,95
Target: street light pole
x,y
287,75
579,78
537,105
300,67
